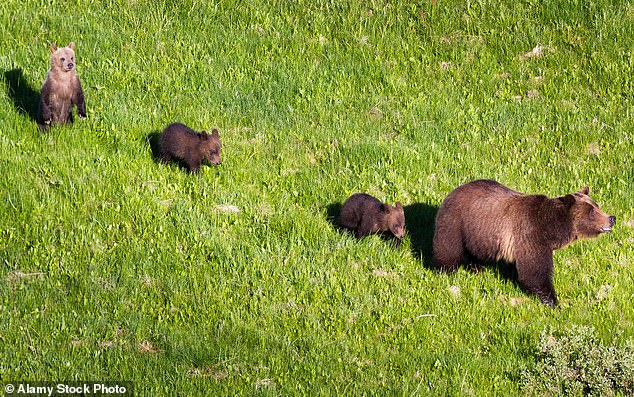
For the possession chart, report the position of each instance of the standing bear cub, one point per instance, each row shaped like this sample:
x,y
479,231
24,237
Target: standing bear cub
x,y
180,143
61,90
486,221
364,215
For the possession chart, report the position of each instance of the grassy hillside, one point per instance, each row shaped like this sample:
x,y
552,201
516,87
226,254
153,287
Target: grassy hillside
x,y
235,281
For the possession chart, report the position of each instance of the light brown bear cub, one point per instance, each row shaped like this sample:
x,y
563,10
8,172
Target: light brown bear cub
x,y
486,221
363,214
181,144
61,89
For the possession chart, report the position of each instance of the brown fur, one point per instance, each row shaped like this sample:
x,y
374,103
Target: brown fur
x,y
180,143
364,215
487,221
61,89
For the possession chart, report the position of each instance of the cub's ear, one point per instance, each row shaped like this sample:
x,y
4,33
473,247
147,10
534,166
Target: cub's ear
x,y
203,135
53,48
398,205
385,207
585,190
568,200
214,133
71,45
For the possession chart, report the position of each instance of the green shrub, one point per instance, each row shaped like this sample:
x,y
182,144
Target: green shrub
x,y
577,364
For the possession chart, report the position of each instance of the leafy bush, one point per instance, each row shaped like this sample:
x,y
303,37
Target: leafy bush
x,y
577,364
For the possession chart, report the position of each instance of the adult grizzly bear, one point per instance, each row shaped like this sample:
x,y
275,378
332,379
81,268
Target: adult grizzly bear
x,y
486,221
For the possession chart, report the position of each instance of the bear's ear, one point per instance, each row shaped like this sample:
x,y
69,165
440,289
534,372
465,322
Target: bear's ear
x,y
568,200
214,133
203,135
71,45
585,190
385,207
398,205
53,48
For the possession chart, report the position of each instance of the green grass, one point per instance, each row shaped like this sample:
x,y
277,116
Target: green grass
x,y
116,267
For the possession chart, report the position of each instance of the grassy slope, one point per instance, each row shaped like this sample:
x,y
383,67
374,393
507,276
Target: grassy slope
x,y
147,277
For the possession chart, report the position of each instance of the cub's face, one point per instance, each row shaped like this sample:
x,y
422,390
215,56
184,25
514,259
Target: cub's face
x,y
210,146
63,58
396,220
588,219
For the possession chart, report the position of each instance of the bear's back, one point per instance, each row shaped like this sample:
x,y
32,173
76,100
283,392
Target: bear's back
x,y
179,141
357,207
488,215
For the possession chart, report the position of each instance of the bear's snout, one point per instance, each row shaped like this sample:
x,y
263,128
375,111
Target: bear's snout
x,y
214,159
611,222
399,234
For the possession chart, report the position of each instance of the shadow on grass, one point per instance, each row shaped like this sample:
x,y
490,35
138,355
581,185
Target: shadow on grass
x,y
24,97
420,222
506,271
333,211
152,139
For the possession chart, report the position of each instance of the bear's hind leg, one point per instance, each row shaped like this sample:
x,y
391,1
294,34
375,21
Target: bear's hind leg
x,y
448,251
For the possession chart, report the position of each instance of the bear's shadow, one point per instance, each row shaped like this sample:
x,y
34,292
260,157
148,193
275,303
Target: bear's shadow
x,y
152,139
420,221
333,210
25,98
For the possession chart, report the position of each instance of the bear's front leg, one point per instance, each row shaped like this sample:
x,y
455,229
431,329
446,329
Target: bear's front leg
x,y
80,101
366,227
192,165
45,115
535,275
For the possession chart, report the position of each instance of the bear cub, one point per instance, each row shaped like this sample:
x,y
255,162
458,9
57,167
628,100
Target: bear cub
x,y
486,221
180,143
61,90
363,214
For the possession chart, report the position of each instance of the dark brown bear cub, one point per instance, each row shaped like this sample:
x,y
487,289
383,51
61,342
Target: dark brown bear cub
x,y
486,221
364,215
180,143
61,89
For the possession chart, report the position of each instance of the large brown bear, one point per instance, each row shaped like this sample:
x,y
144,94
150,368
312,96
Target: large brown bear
x,y
486,221
181,144
61,90
363,215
